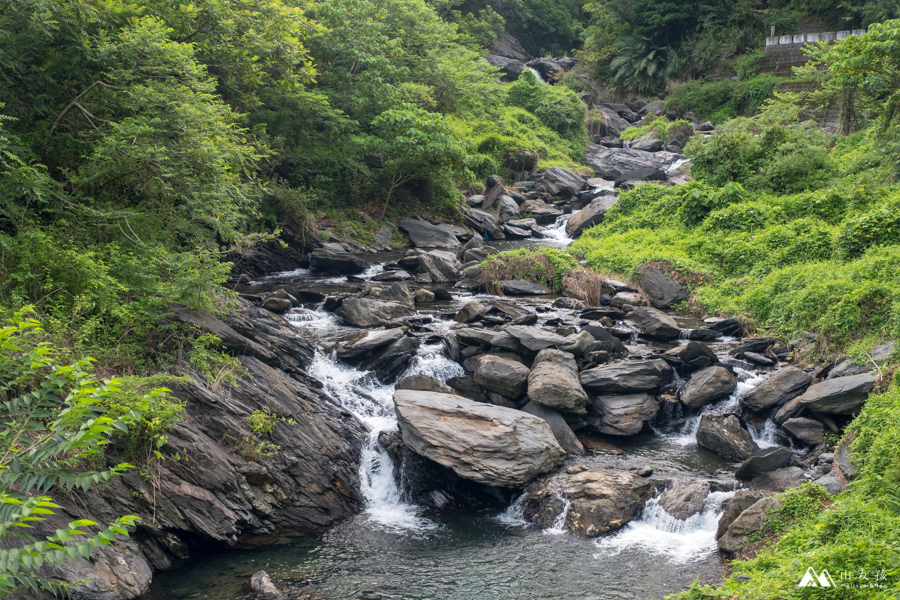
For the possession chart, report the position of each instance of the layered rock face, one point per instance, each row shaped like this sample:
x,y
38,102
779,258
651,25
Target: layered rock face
x,y
219,488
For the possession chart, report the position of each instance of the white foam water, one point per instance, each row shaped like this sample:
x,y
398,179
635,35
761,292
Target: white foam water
x,y
317,320
373,404
557,232
658,532
537,75
512,516
559,524
765,437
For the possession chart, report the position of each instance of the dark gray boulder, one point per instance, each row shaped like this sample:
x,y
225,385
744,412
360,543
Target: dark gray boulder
x,y
334,259
808,431
736,536
367,312
360,345
532,339
725,435
626,377
619,164
590,215
442,265
505,377
510,67
471,278
508,46
707,386
488,338
521,287
423,234
647,145
622,415
655,323
840,396
562,182
484,223
693,356
763,461
662,291
684,498
784,385
472,311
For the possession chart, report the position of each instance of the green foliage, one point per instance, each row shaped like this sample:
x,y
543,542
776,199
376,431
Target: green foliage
x,y
660,128
558,108
643,67
262,421
798,504
52,419
547,266
722,100
216,367
698,200
877,227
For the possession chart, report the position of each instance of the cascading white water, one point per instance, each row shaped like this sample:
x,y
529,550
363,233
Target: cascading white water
x,y
765,437
537,75
557,232
559,524
513,516
658,532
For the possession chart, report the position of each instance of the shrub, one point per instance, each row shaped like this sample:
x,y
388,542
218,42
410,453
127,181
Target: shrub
x,y
661,128
546,266
216,367
719,101
877,227
697,200
558,108
742,217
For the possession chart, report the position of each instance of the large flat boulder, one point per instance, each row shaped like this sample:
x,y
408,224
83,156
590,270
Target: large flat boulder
x,y
619,164
423,234
508,46
533,339
510,67
784,385
626,377
809,431
725,435
360,345
839,396
655,323
598,501
487,338
562,182
706,386
334,259
764,461
521,287
590,215
553,382
488,444
622,415
366,312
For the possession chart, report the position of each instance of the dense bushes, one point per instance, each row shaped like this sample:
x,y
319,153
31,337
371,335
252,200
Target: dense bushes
x,y
722,100
546,266
558,108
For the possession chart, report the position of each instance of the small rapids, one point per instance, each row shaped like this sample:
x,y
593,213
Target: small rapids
x,y
556,233
658,532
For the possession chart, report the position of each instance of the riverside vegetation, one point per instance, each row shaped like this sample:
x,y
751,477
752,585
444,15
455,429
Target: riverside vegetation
x,y
146,146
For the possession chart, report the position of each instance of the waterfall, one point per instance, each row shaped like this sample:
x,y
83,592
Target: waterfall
x,y
559,524
658,532
557,231
537,75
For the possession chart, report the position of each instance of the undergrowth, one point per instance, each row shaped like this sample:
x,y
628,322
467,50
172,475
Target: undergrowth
x,y
547,266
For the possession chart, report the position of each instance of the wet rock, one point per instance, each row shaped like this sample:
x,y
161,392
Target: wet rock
x,y
626,377
484,223
614,125
732,508
471,278
605,341
491,339
590,215
390,362
599,501
553,382
647,145
334,259
706,386
693,356
620,164
465,386
840,396
763,461
363,344
423,383
551,71
393,275
842,458
561,430
684,498
570,303
442,265
778,480
662,291
784,385
423,234
622,415
561,182
578,343
396,292
532,339
480,442
759,359
510,67
655,323
472,311
365,312
520,287
541,212
735,538
263,587
277,305
424,296
505,377
508,46
628,298
725,435
808,431
789,410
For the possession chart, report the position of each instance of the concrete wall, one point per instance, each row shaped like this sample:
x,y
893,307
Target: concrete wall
x,y
786,51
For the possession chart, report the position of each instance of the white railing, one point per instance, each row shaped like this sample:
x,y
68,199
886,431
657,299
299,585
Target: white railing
x,y
811,38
